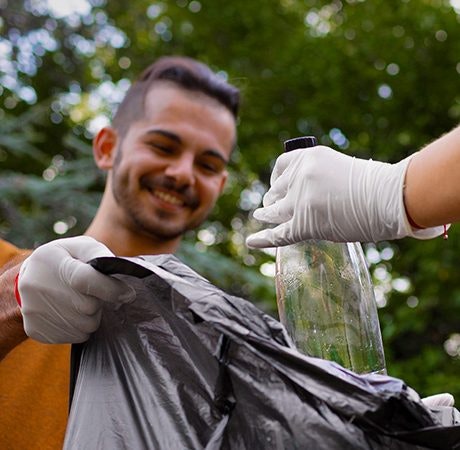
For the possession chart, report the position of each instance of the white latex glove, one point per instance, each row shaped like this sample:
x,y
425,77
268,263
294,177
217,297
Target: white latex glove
x,y
61,295
319,193
433,401
438,400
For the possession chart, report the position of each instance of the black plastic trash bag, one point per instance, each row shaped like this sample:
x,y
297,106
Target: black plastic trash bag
x,y
186,366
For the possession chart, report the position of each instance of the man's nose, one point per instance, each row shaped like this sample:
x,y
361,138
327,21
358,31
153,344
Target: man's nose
x,y
182,171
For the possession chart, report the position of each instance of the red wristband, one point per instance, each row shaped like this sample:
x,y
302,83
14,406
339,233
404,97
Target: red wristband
x,y
414,225
445,235
16,290
412,222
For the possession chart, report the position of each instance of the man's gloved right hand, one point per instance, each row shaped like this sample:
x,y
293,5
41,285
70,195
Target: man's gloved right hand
x,y
61,295
319,193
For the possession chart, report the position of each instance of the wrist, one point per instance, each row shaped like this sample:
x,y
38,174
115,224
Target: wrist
x,y
11,323
412,224
411,221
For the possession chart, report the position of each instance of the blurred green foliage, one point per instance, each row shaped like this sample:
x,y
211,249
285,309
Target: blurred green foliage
x,y
372,78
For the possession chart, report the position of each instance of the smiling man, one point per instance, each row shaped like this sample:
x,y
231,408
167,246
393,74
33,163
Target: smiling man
x,y
165,158
166,171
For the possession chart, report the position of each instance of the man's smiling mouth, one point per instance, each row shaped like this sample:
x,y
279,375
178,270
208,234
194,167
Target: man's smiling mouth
x,y
165,191
168,198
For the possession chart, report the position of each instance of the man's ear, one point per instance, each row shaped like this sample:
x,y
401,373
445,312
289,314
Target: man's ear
x,y
104,148
223,181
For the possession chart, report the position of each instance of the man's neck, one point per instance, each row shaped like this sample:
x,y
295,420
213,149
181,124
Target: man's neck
x,y
125,243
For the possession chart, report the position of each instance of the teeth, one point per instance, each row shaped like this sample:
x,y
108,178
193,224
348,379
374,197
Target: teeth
x,y
168,198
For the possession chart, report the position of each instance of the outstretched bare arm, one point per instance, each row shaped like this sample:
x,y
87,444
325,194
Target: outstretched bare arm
x,y
432,193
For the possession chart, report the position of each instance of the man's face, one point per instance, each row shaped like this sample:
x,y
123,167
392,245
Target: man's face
x,y
172,163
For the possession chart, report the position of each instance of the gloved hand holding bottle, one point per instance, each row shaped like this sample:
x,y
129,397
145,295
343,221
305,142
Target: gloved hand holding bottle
x,y
320,193
61,295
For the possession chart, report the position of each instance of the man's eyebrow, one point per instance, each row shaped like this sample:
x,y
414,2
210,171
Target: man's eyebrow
x,y
176,138
173,136
216,154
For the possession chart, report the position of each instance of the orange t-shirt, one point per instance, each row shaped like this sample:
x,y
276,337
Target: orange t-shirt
x,y
34,390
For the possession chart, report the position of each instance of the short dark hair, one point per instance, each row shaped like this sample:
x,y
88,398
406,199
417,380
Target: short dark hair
x,y
186,73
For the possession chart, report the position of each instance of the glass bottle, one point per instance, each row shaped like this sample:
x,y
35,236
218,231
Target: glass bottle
x,y
326,299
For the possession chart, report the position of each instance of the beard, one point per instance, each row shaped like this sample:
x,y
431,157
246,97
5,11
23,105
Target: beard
x,y
157,224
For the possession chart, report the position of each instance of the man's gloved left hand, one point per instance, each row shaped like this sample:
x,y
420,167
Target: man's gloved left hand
x,y
61,295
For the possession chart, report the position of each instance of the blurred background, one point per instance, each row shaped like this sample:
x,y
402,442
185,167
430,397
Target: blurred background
x,y
374,79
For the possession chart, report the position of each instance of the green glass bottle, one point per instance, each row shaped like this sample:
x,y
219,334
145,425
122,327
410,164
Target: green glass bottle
x,y
326,299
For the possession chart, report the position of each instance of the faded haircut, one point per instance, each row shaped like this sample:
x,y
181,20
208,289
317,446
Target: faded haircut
x,y
187,74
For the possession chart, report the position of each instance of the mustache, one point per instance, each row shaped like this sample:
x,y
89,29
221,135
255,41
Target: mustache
x,y
186,193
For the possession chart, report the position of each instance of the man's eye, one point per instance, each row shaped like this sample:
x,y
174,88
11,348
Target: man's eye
x,y
210,167
161,148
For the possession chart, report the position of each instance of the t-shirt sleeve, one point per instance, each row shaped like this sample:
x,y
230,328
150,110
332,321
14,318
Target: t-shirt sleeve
x,y
7,252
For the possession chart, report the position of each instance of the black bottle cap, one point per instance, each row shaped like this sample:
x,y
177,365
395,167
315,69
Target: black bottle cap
x,y
300,142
